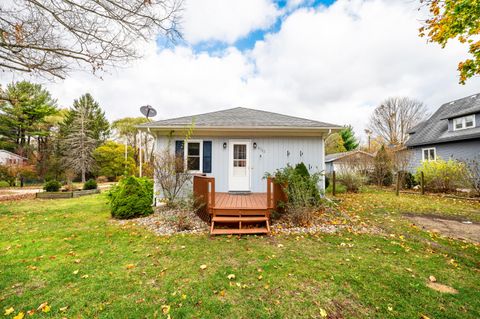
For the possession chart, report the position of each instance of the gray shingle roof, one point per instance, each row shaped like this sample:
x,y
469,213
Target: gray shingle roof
x,y
435,129
336,156
241,117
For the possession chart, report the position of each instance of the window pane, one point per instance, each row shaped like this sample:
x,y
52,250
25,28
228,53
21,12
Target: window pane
x,y
240,152
432,154
425,155
458,123
194,149
469,121
193,163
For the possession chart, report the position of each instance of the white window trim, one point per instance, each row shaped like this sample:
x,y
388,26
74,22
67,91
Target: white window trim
x,y
429,149
185,155
463,119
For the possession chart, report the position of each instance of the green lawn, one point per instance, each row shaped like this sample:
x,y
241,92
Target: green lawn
x,y
68,253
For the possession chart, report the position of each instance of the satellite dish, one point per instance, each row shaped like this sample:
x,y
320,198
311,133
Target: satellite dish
x,y
148,111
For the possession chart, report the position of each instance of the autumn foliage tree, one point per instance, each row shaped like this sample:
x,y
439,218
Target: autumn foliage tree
x,y
454,19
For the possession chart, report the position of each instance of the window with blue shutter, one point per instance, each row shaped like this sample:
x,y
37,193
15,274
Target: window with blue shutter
x,y
207,156
179,154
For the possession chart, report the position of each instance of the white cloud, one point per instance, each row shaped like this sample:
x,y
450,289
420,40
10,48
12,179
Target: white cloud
x,y
332,64
226,21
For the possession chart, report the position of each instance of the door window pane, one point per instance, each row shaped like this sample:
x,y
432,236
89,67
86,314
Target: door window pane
x,y
239,152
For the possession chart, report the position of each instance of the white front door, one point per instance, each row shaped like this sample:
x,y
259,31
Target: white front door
x,y
239,165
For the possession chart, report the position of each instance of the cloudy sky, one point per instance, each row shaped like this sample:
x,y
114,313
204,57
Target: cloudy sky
x,y
327,60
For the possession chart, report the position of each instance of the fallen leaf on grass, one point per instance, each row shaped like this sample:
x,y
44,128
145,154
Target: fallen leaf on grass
x,y
231,276
442,288
63,309
75,272
31,312
432,278
323,313
165,309
44,307
424,317
130,266
20,315
9,311
260,277
203,267
84,276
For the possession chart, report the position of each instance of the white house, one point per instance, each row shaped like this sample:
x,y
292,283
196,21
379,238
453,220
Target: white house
x,y
238,146
9,158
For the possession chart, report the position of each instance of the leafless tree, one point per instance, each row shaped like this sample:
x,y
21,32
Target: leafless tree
x,y
395,116
170,175
51,37
472,174
79,145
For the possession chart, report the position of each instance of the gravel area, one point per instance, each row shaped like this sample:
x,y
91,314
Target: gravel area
x,y
322,228
166,222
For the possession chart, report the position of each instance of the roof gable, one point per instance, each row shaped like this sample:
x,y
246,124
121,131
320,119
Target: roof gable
x,y
435,129
240,117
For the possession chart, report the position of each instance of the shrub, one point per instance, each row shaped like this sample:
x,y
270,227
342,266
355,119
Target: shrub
x,y
103,179
52,186
441,175
472,175
382,168
4,184
131,197
409,180
302,192
90,184
351,180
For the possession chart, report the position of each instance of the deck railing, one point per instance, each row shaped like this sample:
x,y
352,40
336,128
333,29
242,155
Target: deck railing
x,y
275,194
204,193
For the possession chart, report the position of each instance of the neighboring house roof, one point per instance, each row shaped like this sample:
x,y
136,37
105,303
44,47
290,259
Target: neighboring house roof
x,y
240,117
435,129
12,154
337,156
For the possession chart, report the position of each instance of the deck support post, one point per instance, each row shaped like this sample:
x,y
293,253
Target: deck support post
x,y
334,182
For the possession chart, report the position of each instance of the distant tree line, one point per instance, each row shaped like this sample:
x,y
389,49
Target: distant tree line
x,y
66,144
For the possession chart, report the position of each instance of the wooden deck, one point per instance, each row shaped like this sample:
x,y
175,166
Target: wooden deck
x,y
230,213
240,201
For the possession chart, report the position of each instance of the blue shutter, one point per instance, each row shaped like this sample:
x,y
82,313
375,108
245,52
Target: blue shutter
x,y
179,145
207,156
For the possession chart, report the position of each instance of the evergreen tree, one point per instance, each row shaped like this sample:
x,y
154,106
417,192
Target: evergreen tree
x,y
80,142
382,170
95,118
349,140
24,108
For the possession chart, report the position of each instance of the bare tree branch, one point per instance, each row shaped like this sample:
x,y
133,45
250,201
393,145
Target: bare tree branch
x,y
52,37
395,116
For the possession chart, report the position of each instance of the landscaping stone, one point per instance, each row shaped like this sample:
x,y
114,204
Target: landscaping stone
x,y
164,222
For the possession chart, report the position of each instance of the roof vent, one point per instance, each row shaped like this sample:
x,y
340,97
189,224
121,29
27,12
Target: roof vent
x,y
474,96
452,102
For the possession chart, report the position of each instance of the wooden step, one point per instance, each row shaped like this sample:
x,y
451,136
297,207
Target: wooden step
x,y
224,219
226,231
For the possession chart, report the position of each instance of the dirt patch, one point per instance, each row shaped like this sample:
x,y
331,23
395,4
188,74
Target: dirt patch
x,y
442,288
448,227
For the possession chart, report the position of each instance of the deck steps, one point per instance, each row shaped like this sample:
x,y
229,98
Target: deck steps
x,y
235,219
232,231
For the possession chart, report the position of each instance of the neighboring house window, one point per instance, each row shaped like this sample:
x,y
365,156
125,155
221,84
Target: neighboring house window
x,y
465,122
193,156
429,154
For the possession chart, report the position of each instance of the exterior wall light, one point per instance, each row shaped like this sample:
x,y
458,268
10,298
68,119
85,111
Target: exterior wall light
x,y
254,145
224,145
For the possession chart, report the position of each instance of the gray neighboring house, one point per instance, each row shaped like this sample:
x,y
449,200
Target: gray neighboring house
x,y
354,160
238,146
452,132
